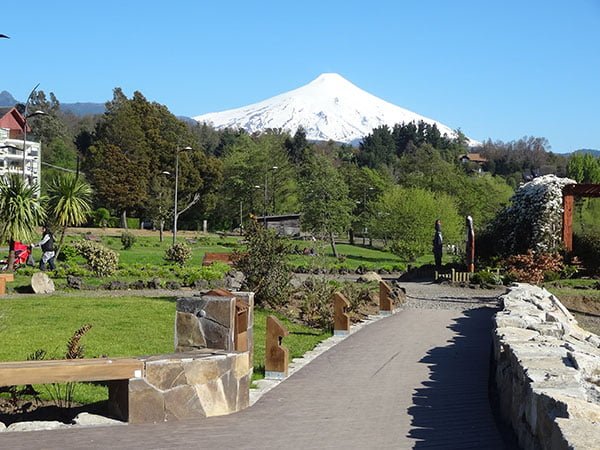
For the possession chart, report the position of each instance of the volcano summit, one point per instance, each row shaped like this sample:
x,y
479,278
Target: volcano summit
x,y
329,107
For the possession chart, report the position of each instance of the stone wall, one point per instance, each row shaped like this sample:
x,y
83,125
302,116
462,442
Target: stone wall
x,y
547,372
201,383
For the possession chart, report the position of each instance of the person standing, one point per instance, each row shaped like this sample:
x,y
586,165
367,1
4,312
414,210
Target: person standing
x,y
47,246
438,243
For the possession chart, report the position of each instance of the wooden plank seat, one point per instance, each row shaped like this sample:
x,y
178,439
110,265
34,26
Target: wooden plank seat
x,y
69,370
117,372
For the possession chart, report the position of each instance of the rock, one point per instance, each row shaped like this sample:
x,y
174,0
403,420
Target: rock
x,y
2,427
234,280
87,419
42,283
74,282
173,285
369,276
36,426
139,285
117,286
154,283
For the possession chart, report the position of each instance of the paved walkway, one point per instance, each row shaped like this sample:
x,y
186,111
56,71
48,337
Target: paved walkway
x,y
417,379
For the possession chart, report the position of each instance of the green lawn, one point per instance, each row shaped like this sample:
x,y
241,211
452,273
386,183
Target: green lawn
x,y
121,326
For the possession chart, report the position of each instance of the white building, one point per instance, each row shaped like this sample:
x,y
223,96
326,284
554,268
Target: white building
x,y
12,127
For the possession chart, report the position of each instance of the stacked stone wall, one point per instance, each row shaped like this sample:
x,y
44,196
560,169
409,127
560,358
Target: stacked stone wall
x,y
547,372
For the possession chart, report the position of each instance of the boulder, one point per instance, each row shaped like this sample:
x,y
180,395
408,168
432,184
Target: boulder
x,y
41,283
369,276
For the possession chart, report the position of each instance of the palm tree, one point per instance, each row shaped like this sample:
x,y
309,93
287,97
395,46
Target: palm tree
x,y
21,212
69,202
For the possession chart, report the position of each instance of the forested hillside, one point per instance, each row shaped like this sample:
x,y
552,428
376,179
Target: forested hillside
x,y
392,187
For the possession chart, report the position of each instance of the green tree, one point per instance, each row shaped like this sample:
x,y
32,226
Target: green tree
x,y
326,206
584,168
69,203
21,211
405,217
248,163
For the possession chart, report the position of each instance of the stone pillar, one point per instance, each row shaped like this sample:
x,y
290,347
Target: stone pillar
x,y
341,320
205,322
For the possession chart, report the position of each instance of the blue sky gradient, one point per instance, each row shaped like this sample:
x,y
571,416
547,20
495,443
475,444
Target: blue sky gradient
x,y
499,70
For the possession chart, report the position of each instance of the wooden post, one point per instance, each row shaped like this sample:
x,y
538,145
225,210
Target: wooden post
x,y
276,356
5,278
386,304
567,228
341,320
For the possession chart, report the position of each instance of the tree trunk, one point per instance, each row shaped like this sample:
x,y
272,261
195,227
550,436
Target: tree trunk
x,y
60,242
124,219
351,236
161,228
333,247
11,256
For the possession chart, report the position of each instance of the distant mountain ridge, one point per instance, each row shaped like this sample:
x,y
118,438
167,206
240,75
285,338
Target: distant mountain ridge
x,y
590,151
79,108
328,108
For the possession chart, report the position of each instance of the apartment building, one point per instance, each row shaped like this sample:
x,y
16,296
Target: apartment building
x,y
12,159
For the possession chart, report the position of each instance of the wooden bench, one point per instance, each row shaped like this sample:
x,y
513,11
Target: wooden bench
x,y
210,258
116,371
5,278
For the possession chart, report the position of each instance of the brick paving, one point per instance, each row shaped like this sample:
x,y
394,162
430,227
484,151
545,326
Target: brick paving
x,y
417,379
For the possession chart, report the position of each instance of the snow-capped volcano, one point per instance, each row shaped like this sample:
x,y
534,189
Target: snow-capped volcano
x,y
329,107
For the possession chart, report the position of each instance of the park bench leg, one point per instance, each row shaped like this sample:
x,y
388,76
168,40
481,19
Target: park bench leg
x,y
118,399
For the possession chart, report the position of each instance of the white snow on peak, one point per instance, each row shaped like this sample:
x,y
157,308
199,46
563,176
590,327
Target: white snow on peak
x,y
329,107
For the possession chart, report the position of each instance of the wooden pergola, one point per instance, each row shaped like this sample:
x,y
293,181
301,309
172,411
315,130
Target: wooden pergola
x,y
569,193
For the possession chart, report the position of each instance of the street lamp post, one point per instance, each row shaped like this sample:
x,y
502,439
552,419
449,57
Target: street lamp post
x,y
175,213
364,207
266,195
26,116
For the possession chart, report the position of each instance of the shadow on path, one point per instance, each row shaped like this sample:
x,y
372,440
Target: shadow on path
x,y
452,409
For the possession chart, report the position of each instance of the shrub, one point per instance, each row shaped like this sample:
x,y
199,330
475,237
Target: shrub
x,y
179,253
127,240
264,263
101,260
101,217
67,253
486,278
587,247
316,307
133,223
531,267
359,295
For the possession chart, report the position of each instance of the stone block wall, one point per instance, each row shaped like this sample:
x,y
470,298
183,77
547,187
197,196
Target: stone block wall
x,y
208,321
189,385
547,372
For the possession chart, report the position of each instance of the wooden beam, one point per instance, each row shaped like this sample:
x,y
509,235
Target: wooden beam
x,y
567,228
341,320
386,305
69,370
277,356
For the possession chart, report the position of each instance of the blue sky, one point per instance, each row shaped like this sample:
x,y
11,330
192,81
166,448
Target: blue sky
x,y
499,70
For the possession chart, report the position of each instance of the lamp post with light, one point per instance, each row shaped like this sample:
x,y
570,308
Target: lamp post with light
x,y
175,213
266,194
27,116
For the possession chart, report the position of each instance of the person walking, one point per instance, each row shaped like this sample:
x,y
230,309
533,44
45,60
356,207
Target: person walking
x,y
47,246
438,243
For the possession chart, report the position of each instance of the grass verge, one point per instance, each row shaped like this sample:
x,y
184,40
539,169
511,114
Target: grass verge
x,y
121,326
